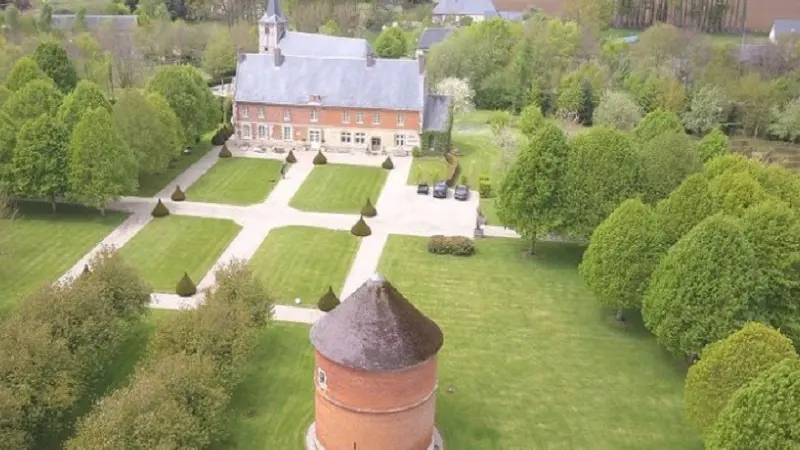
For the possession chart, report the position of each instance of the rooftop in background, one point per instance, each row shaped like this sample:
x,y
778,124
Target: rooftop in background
x,y
437,110
464,7
310,44
783,28
376,329
431,36
629,39
93,22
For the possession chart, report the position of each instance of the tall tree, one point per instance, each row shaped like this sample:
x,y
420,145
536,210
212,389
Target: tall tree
x,y
656,123
189,97
586,110
391,43
39,166
707,110
713,144
85,97
521,72
727,365
32,100
138,123
219,56
530,194
617,109
101,166
667,160
55,62
623,252
167,117
531,120
702,289
24,71
685,207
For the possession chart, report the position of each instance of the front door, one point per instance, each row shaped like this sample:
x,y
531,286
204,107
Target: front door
x,y
375,144
315,137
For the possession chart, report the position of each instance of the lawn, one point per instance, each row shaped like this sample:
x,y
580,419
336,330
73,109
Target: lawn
x,y
339,188
39,246
489,211
303,261
236,181
150,185
274,405
477,156
167,247
531,360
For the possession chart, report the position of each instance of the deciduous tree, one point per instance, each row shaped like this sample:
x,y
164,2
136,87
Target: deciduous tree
x,y
707,110
219,56
685,207
189,97
24,71
714,144
38,168
786,121
85,97
167,116
32,100
656,123
149,138
460,93
666,161
391,43
531,120
618,110
54,61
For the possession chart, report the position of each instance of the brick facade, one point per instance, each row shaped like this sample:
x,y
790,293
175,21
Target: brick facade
x,y
375,410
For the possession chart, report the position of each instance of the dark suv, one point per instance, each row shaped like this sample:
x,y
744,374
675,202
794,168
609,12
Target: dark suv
x,y
461,192
440,190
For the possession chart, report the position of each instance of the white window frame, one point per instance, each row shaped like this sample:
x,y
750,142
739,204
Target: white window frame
x,y
315,135
287,115
246,131
401,120
346,137
360,117
360,138
260,112
322,378
245,112
399,140
376,118
262,131
315,115
287,136
345,116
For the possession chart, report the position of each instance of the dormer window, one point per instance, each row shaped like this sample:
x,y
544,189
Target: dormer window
x,y
322,378
314,98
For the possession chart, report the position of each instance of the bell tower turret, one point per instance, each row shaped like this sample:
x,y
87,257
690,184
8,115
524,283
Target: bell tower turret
x,y
271,27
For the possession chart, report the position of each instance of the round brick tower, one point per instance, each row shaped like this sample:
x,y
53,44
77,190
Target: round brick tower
x,y
375,376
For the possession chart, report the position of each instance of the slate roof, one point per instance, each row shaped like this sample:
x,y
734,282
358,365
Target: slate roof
x,y
273,13
437,110
430,36
376,329
511,15
345,82
309,44
93,22
786,26
464,7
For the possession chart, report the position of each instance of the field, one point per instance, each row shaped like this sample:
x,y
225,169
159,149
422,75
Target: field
x,y
39,246
236,181
339,188
303,261
170,246
531,360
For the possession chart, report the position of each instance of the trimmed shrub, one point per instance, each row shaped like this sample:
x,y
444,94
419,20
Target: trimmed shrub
x,y
320,159
224,152
361,228
455,172
388,164
484,186
178,195
451,245
329,301
86,270
186,287
368,210
160,210
290,158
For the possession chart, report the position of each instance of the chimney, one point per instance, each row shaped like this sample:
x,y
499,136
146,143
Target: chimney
x,y
370,59
421,63
277,56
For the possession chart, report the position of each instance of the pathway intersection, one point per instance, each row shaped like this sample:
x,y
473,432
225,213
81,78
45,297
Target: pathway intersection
x,y
400,211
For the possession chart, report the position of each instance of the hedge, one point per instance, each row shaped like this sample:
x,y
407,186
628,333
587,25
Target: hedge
x,y
178,195
224,152
484,186
222,134
387,163
290,158
328,301
186,287
361,228
160,210
368,210
451,245
320,159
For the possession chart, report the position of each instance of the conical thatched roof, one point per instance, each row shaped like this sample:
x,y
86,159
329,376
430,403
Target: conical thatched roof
x,y
376,329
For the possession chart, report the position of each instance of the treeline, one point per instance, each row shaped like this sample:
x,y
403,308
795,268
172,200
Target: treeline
x,y
711,16
61,138
179,396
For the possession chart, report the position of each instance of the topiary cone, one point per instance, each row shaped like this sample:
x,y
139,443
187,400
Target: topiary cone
x,y
224,152
290,158
368,210
361,228
160,210
186,287
320,159
328,301
86,270
387,163
178,195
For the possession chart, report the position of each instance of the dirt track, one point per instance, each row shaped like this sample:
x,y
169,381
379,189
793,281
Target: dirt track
x,y
760,13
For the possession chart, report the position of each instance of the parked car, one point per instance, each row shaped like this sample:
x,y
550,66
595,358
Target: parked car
x,y
423,189
461,193
440,190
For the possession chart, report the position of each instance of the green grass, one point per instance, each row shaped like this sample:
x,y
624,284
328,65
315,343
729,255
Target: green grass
x,y
489,211
303,261
477,155
532,361
236,181
339,188
39,246
274,405
151,185
167,247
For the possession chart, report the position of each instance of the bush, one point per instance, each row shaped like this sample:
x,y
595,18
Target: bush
x,y
454,172
178,195
388,164
451,245
361,228
416,152
224,152
290,158
320,159
160,210
368,210
329,301
484,186
86,270
186,287
222,134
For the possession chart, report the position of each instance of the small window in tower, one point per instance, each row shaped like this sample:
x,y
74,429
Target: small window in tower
x,y
322,378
